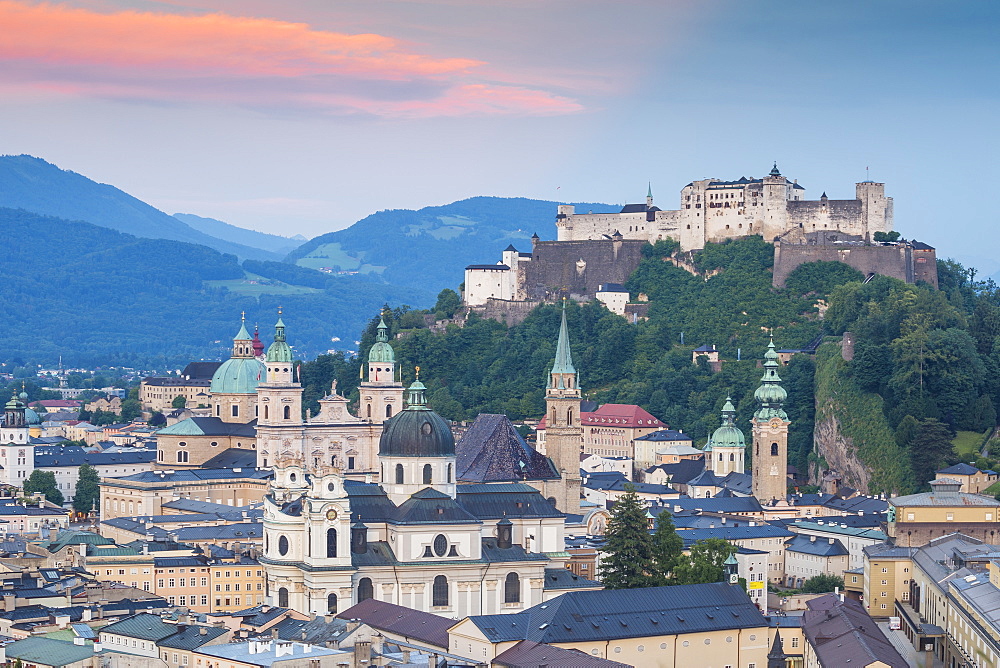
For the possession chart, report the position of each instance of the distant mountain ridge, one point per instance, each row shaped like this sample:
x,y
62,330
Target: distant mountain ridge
x,y
241,235
433,245
32,184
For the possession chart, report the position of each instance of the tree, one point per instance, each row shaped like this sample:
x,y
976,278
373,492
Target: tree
x,y
131,409
628,560
704,562
930,449
820,584
448,302
880,237
157,419
44,482
178,402
668,547
88,493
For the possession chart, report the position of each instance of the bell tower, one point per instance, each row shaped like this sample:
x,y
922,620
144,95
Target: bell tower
x,y
280,397
770,435
381,395
564,435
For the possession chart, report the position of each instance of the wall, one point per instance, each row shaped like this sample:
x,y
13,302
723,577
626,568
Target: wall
x,y
577,268
901,261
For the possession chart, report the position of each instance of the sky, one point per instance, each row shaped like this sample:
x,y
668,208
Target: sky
x,y
303,117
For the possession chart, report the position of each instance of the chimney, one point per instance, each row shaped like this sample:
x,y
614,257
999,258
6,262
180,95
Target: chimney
x,y
812,539
831,540
79,641
202,631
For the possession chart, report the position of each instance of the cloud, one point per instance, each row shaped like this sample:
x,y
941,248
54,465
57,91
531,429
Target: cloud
x,y
257,62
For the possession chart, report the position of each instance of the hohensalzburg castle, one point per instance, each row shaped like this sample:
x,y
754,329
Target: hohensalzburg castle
x,y
712,211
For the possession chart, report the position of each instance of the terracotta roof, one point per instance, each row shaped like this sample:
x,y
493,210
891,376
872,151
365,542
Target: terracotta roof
x,y
622,415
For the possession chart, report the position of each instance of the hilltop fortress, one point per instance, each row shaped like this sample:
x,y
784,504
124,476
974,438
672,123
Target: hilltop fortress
x,y
712,211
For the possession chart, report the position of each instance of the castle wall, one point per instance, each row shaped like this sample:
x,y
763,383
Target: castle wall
x,y
902,261
577,268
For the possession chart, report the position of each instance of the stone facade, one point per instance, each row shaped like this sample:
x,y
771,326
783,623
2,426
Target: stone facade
x,y
711,210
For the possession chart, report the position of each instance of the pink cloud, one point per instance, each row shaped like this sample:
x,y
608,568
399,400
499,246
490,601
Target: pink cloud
x,y
243,60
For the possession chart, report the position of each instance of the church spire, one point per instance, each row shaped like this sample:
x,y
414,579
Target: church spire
x,y
242,343
770,395
279,351
564,356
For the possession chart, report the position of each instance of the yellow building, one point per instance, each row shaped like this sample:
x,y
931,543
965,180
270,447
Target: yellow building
x,y
236,585
158,393
665,627
145,493
915,519
973,480
886,578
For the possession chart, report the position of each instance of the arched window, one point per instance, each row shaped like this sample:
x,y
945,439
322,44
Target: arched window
x,y
369,410
399,474
569,416
283,545
331,604
774,449
182,456
365,589
331,543
449,473
388,411
333,460
282,598
288,412
440,596
427,474
265,411
732,456
512,588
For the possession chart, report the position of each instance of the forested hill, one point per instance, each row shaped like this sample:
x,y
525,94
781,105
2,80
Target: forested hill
x,y
432,246
98,297
40,187
925,358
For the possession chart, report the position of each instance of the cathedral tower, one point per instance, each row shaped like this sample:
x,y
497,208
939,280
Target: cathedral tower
x,y
234,384
563,434
280,396
728,444
770,435
381,394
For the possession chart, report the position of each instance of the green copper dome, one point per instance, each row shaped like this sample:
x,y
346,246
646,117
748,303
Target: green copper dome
x,y
770,395
728,435
242,372
279,351
417,431
381,351
31,417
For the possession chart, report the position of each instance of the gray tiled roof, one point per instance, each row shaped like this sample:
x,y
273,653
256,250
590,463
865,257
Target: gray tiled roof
x,y
48,652
142,626
406,622
191,637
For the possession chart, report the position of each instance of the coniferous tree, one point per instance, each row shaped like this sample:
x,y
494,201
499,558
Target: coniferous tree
x,y
88,493
628,560
668,547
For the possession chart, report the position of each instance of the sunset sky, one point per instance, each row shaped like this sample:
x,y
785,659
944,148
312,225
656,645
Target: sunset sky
x,y
304,116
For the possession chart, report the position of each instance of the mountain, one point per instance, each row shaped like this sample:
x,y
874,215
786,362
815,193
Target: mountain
x,y
433,245
239,235
35,185
101,297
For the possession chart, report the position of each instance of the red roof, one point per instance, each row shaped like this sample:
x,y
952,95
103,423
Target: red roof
x,y
57,403
626,416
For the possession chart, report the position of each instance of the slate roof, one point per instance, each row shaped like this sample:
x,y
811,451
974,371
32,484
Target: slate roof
x,y
842,634
48,652
136,456
210,426
561,578
732,533
240,652
191,637
491,450
233,458
424,626
736,504
495,501
528,654
611,614
200,370
820,547
944,499
369,501
960,469
257,616
142,626
312,631
378,554
429,506
683,471
515,552
207,507
193,475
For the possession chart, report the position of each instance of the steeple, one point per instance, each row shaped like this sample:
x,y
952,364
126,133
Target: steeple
x,y
774,170
728,446
564,355
258,345
776,657
279,351
415,398
649,195
770,395
770,435
242,343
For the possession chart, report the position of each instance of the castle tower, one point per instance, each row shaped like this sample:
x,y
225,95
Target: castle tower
x,y
649,195
381,394
775,205
876,208
234,384
564,435
280,396
770,434
728,444
416,450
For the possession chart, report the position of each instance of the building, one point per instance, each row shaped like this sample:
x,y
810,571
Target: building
x,y
193,383
711,210
270,654
974,481
887,572
809,556
146,493
770,435
686,625
564,430
840,633
614,296
65,462
726,449
915,519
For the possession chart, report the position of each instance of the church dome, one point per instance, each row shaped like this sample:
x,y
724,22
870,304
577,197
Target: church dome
x,y
381,351
417,431
239,375
31,417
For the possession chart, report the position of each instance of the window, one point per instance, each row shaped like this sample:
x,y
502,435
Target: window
x,y
795,642
440,545
388,411
350,462
440,592
449,474
427,474
512,588
282,598
288,412
774,449
331,543
399,474
331,604
365,589
265,411
236,410
283,546
182,456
